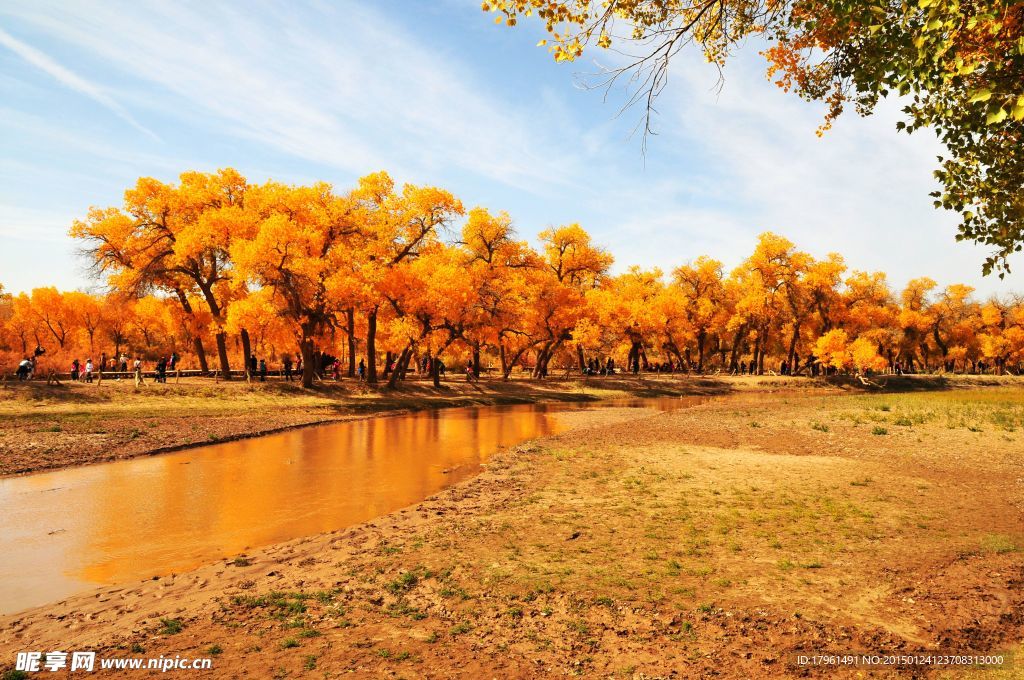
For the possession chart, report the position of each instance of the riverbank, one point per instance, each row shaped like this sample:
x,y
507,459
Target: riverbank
x,y
48,427
724,539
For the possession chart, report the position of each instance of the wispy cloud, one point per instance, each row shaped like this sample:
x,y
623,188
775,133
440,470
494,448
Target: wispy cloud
x,y
70,79
345,87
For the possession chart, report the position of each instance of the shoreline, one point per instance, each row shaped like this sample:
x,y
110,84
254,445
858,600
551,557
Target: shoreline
x,y
43,428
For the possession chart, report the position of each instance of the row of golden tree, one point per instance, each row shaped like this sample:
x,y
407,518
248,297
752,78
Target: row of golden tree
x,y
216,264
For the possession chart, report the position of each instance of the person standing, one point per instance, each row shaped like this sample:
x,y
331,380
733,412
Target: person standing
x,y
361,371
287,361
137,366
75,367
88,370
263,370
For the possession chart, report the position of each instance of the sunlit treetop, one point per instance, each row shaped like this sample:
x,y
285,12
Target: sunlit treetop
x,y
959,66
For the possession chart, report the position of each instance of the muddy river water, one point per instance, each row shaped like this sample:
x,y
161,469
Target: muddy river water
x,y
67,531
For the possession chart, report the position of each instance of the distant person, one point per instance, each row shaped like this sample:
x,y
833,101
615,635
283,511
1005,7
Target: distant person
x,y
88,370
253,366
263,370
137,367
361,370
75,370
287,363
161,370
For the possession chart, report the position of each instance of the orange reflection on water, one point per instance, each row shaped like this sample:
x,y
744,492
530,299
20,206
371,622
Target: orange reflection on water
x,y
68,530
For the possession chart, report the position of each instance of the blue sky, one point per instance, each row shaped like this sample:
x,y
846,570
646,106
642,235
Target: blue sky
x,y
94,95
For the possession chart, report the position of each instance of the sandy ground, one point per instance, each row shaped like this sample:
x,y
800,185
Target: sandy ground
x,y
715,541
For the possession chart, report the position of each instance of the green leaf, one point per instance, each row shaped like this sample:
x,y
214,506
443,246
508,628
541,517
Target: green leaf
x,y
982,95
996,117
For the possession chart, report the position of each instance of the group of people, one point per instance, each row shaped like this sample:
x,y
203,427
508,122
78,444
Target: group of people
x,y
84,372
595,367
27,366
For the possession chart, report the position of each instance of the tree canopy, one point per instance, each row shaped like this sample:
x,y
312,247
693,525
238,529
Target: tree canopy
x,y
958,65
404,278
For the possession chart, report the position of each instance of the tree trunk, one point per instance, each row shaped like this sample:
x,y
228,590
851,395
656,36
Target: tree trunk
x,y
505,368
350,315
246,352
476,360
403,368
539,363
402,358
763,351
197,344
701,339
734,358
371,347
792,346
306,347
222,352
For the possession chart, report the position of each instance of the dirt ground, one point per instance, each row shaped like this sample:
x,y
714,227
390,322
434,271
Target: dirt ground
x,y
721,540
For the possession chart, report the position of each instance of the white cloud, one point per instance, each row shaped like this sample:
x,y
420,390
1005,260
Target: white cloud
x,y
860,190
69,78
343,87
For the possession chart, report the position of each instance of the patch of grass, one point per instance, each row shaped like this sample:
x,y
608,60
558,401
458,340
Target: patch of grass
x,y
289,643
461,628
579,626
13,674
403,583
309,662
998,544
879,430
241,561
136,648
820,427
170,626
280,604
214,650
